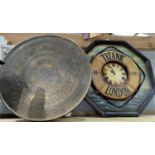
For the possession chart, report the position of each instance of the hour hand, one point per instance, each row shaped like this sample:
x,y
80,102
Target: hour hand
x,y
112,71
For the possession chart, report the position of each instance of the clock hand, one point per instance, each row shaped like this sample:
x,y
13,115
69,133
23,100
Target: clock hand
x,y
112,71
110,66
107,69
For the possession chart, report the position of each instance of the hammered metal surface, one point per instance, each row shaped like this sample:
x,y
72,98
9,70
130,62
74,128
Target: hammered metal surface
x,y
44,78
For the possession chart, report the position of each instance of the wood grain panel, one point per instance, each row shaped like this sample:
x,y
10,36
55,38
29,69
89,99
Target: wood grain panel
x,y
147,43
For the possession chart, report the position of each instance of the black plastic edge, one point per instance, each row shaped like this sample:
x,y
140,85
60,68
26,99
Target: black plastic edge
x,y
1,62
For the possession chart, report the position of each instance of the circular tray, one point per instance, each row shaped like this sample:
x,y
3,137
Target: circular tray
x,y
44,78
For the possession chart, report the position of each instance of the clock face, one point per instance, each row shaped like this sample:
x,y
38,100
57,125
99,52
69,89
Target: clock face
x,y
115,75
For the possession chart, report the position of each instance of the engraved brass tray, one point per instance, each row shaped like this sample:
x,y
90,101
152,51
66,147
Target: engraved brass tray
x,y
44,78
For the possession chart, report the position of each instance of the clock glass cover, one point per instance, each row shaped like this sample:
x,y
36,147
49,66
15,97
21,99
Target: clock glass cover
x,y
115,75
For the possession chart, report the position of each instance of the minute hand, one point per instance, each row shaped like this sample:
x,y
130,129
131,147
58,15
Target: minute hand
x,y
112,71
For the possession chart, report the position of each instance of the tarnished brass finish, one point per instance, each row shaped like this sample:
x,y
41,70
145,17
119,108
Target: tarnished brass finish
x,y
44,78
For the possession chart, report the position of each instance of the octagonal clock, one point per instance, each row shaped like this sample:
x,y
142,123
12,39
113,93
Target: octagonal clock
x,y
122,79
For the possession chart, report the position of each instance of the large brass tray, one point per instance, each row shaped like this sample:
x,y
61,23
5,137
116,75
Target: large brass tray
x,y
44,78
